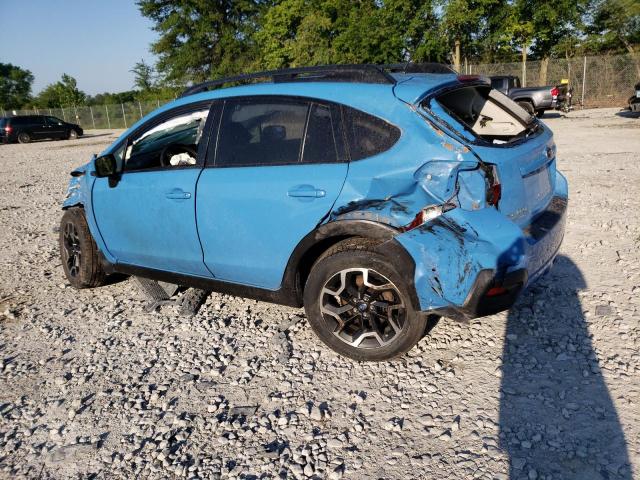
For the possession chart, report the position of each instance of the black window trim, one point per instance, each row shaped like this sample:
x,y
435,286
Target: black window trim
x,y
162,117
336,112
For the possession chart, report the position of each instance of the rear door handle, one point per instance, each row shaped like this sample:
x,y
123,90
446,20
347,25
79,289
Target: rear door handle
x,y
306,191
178,194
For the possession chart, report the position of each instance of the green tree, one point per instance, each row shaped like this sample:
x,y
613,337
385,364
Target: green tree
x,y
616,27
15,86
201,39
64,93
311,32
143,76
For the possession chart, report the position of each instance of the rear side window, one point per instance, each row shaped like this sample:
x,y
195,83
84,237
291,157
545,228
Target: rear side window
x,y
3,122
368,135
261,132
496,83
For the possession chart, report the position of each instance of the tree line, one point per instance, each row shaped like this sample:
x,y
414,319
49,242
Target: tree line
x,y
204,39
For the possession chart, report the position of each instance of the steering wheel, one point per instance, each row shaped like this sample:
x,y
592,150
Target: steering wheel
x,y
175,149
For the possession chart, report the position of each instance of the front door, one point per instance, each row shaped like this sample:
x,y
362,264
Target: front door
x,y
148,218
277,172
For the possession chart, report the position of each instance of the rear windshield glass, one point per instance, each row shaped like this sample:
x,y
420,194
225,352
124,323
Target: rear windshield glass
x,y
485,113
3,122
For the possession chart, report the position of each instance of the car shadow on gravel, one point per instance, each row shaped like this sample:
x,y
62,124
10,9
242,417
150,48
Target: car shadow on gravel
x,y
557,418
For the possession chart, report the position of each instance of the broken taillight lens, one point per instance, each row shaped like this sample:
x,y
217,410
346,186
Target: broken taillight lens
x,y
426,214
494,191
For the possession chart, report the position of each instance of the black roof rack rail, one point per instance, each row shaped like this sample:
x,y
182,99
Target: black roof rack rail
x,y
409,67
364,73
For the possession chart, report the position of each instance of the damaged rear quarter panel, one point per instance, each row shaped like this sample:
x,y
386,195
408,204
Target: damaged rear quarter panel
x,y
386,187
452,249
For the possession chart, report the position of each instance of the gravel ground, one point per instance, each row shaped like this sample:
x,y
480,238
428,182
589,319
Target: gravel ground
x,y
92,386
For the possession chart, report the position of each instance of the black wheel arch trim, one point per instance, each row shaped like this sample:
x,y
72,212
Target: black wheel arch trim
x,y
326,235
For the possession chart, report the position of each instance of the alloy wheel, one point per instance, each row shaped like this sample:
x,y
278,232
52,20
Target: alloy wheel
x,y
72,250
362,308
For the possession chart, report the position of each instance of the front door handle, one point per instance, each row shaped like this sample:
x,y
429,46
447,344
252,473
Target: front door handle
x,y
178,194
306,191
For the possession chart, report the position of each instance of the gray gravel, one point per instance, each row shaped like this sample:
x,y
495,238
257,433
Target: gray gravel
x,y
91,385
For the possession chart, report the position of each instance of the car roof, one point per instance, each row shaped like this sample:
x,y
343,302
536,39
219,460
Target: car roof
x,y
375,98
379,99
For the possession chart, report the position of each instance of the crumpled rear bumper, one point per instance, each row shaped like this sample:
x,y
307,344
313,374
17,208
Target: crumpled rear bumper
x,y
473,264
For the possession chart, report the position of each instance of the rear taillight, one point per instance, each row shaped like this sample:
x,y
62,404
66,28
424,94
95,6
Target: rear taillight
x,y
7,129
494,190
555,92
495,292
493,194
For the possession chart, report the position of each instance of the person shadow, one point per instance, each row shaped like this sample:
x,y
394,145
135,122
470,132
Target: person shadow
x,y
557,419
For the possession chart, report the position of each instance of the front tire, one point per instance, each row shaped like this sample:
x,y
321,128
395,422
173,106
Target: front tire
x,y
79,252
73,135
359,304
24,137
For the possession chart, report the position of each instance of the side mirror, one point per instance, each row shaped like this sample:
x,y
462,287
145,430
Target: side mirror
x,y
106,165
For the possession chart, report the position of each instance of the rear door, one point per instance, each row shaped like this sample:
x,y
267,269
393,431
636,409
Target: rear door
x,y
278,168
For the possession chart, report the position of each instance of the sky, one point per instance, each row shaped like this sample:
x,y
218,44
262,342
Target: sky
x,y
96,42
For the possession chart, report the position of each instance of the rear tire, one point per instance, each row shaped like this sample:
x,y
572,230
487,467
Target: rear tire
x,y
371,316
79,252
528,107
539,113
24,137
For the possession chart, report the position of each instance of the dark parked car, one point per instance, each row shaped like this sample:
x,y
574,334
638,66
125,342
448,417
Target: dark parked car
x,y
535,100
634,100
36,127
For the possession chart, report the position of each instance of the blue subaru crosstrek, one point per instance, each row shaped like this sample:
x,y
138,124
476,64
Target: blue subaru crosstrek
x,y
377,197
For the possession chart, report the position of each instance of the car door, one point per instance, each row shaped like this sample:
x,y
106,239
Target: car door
x,y
37,127
278,168
147,218
56,127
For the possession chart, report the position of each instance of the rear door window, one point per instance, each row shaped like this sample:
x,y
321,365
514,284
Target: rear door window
x,y
322,143
261,132
368,135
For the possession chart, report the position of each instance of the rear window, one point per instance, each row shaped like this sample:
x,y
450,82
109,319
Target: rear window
x,y
484,113
23,120
368,135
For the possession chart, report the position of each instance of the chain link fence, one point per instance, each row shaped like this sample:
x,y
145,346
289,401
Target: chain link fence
x,y
602,81
122,115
